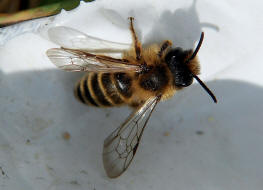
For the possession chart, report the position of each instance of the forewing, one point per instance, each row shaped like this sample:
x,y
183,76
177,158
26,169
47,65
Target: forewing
x,y
121,145
78,60
73,39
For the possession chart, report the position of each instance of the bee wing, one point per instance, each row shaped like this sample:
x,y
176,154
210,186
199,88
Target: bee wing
x,y
73,39
121,145
78,60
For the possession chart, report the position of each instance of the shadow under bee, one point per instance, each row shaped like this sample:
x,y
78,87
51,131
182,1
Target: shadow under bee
x,y
41,104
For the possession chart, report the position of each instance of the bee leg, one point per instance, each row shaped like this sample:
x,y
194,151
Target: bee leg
x,y
164,46
136,42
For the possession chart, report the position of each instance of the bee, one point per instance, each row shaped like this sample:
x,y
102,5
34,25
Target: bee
x,y
141,78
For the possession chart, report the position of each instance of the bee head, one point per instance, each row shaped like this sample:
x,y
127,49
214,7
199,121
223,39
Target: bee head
x,y
184,66
176,59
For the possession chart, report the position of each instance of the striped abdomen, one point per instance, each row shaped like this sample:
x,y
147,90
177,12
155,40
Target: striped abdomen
x,y
104,89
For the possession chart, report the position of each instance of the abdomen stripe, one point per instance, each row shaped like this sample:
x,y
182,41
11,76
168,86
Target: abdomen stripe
x,y
107,83
98,94
104,89
78,93
87,92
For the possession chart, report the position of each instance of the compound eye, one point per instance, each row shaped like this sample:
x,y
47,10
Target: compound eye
x,y
173,55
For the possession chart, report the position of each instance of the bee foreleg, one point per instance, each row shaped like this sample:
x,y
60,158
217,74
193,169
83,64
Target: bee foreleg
x,y
136,42
164,46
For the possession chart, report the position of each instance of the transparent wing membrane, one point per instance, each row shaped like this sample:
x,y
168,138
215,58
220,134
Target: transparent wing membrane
x,y
71,38
121,146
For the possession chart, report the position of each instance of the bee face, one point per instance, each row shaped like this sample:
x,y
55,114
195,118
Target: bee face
x,y
176,59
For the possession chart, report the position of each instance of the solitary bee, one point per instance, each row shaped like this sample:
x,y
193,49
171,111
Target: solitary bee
x,y
141,78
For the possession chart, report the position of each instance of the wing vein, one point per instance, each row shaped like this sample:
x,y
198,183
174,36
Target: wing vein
x,y
127,137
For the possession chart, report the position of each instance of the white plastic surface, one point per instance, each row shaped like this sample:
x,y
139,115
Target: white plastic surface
x,y
189,143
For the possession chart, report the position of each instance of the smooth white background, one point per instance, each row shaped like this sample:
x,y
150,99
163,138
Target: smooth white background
x,y
189,143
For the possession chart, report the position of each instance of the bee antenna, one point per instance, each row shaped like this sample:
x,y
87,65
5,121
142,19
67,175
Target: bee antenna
x,y
195,76
197,47
205,87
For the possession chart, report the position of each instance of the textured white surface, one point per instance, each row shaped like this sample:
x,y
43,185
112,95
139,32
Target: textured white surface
x,y
189,143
